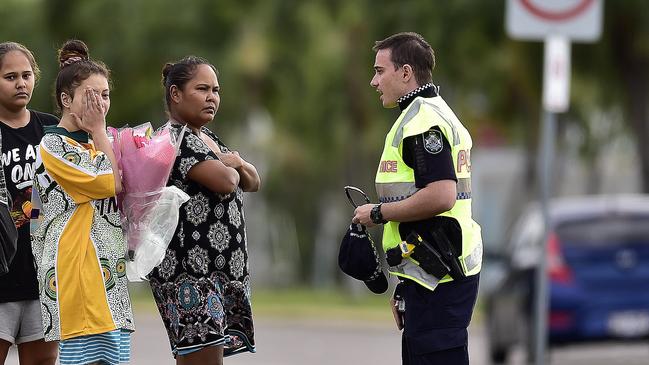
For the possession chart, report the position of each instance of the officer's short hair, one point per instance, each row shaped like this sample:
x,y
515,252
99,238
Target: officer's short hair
x,y
412,49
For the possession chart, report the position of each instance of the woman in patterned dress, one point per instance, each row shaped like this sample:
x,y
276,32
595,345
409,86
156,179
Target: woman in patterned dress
x,y
79,246
202,287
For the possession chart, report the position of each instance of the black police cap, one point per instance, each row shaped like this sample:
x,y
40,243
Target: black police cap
x,y
358,258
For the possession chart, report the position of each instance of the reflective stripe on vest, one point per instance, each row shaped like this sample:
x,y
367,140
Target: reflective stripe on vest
x,y
394,192
412,111
410,270
395,181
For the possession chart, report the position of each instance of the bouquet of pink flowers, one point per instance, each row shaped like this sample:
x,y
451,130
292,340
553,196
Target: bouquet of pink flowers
x,y
150,209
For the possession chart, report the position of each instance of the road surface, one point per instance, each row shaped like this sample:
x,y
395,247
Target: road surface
x,y
320,342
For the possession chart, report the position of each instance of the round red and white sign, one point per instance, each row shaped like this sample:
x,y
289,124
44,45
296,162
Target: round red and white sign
x,y
555,13
577,20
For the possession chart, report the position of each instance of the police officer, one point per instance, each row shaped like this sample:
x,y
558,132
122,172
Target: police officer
x,y
424,185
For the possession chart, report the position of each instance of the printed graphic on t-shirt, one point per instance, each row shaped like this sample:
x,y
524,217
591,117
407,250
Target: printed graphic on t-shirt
x,y
21,164
22,207
19,172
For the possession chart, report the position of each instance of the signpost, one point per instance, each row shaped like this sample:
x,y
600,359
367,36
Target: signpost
x,y
556,22
556,74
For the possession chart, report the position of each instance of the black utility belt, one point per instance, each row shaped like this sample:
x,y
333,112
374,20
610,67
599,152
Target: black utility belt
x,y
437,258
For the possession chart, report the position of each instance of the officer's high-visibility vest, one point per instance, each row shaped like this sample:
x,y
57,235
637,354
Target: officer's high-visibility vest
x,y
396,181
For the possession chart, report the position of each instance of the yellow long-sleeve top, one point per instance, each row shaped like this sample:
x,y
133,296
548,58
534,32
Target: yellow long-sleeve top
x,y
79,246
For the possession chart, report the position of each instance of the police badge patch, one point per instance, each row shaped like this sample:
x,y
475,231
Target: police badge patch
x,y
433,141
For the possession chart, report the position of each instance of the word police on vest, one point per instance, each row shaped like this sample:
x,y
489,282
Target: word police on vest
x,y
358,258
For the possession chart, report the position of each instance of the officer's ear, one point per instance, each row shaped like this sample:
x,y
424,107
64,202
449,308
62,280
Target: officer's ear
x,y
408,73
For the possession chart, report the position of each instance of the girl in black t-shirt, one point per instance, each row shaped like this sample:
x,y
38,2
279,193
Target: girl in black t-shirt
x,y
20,132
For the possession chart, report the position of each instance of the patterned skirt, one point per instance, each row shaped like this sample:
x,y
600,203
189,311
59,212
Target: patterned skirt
x,y
200,311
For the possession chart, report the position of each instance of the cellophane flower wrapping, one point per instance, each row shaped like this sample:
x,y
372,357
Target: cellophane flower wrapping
x,y
160,224
149,208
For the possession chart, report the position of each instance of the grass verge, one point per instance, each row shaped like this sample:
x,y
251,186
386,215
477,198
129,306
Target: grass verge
x,y
296,303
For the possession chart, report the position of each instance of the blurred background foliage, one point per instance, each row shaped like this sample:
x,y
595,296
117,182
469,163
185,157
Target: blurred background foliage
x,y
296,99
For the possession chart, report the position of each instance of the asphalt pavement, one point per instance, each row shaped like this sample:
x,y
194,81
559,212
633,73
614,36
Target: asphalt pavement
x,y
325,341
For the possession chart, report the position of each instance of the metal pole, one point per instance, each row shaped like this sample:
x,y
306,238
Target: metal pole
x,y
544,169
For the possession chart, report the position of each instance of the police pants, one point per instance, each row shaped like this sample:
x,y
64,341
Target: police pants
x,y
454,356
435,322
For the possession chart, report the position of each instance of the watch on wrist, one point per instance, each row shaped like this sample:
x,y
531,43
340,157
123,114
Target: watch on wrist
x,y
376,216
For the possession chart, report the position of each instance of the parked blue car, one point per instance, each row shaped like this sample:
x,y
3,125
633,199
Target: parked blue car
x,y
598,270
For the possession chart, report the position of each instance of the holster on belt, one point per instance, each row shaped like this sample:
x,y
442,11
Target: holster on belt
x,y
448,254
422,252
436,245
